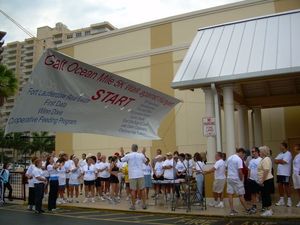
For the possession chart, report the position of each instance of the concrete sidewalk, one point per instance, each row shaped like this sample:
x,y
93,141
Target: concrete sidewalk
x,y
165,207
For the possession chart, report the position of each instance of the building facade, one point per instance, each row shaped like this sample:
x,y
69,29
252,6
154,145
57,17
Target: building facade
x,y
151,53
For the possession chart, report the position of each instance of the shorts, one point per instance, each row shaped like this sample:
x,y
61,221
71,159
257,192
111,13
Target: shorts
x,y
113,179
296,181
67,182
73,185
98,182
89,182
104,179
158,178
137,183
218,185
283,179
254,187
235,186
148,181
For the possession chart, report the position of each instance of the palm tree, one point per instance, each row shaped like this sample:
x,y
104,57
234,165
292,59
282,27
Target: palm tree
x,y
8,83
42,142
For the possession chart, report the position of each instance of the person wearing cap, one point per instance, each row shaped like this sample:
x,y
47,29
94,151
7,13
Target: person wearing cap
x,y
169,173
135,162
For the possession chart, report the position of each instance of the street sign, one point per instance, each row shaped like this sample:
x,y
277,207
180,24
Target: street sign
x,y
209,126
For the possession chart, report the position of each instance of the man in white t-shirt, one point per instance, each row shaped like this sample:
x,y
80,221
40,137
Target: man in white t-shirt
x,y
235,184
296,171
135,162
218,169
284,162
253,182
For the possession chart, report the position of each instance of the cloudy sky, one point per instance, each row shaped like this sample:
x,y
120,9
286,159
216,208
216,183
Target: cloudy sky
x,y
81,13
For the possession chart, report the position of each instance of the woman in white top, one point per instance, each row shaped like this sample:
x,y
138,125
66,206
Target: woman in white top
x,y
199,169
103,173
89,176
147,169
39,185
61,181
158,173
74,182
265,179
169,173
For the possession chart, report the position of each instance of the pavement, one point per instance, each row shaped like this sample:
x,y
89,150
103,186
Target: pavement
x,y
179,208
16,214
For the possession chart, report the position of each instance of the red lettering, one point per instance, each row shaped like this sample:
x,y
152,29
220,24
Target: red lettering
x,y
72,67
98,94
121,100
49,60
129,100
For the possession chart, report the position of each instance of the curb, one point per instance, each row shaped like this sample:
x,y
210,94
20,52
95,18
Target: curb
x,y
252,217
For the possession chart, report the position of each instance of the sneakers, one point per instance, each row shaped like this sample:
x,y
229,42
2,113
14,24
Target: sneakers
x,y
213,204
144,207
289,203
267,213
102,198
132,207
233,212
298,205
280,202
219,205
252,210
127,198
93,200
85,200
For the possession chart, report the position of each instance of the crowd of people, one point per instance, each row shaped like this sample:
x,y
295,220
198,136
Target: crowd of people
x,y
251,178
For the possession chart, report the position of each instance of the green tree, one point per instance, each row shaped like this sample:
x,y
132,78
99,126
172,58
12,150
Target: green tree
x,y
42,142
8,83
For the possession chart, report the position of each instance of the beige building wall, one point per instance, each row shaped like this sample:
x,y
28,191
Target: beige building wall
x,y
151,54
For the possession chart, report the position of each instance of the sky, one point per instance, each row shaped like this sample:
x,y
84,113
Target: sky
x,y
76,14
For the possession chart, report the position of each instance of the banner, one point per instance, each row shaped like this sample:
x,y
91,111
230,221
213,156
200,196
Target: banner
x,y
66,95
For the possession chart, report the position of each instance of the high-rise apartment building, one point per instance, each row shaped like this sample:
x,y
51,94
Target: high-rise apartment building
x,y
22,56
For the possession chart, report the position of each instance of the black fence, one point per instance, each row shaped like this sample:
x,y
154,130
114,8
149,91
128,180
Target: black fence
x,y
17,181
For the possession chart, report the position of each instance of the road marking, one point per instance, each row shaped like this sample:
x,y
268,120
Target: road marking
x,y
166,218
78,212
87,218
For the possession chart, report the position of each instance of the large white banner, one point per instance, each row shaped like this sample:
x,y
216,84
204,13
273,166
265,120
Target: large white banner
x,y
64,94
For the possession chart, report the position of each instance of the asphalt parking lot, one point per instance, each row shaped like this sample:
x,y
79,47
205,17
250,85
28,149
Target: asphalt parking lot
x,y
18,215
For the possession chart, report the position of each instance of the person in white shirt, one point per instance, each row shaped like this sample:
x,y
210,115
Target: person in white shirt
x,y
158,174
82,163
219,170
61,181
199,171
147,169
69,164
74,182
235,184
53,182
296,171
169,173
29,176
103,174
253,182
39,185
89,172
135,162
284,162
